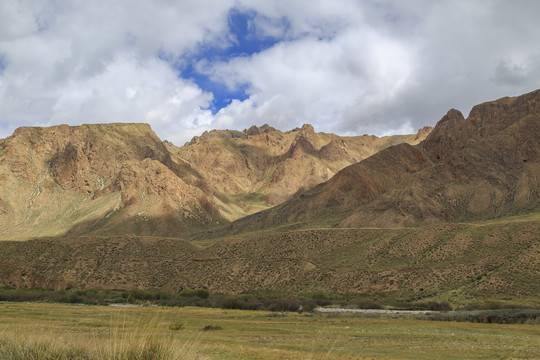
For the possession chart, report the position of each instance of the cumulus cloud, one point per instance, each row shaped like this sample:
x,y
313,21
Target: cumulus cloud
x,y
386,68
315,80
350,67
87,62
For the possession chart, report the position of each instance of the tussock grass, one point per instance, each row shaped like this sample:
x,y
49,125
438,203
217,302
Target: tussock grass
x,y
127,337
38,348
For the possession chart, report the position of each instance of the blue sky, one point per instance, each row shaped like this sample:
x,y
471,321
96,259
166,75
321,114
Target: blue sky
x,y
346,66
244,42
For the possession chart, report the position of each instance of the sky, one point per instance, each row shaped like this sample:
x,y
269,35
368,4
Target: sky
x,y
350,67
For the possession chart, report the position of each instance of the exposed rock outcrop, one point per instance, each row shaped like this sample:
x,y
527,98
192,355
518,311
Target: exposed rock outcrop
x,y
97,178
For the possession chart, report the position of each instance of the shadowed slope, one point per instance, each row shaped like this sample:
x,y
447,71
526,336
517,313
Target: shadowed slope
x,y
485,166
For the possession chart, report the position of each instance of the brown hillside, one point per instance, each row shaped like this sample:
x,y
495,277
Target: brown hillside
x,y
109,178
457,262
122,179
485,166
261,167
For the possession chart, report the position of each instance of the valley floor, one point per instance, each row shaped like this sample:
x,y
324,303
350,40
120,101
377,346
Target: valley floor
x,y
41,331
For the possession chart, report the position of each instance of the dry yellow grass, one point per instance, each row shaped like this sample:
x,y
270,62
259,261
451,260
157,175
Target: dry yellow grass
x,y
45,331
52,331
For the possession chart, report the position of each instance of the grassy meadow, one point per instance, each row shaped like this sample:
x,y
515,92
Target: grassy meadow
x,y
59,331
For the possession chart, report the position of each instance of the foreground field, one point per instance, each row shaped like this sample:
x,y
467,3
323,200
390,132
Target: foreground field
x,y
52,331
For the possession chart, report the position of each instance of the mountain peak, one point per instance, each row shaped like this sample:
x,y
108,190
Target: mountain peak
x,y
307,129
257,130
65,178
481,167
231,134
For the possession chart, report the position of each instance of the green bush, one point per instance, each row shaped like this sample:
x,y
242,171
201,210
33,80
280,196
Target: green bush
x,y
242,303
438,306
320,299
286,305
201,293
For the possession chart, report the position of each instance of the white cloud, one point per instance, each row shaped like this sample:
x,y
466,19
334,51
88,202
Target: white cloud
x,y
385,67
350,67
314,80
74,62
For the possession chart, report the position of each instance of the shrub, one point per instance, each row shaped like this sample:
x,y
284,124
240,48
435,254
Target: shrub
x,y
308,305
230,303
74,299
321,299
368,305
212,328
201,293
430,305
286,305
439,306
242,303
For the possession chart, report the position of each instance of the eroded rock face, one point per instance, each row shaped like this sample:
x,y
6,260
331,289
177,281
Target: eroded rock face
x,y
96,178
122,179
230,134
263,167
485,166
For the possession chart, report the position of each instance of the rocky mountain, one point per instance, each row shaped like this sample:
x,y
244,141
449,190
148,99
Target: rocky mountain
x,y
230,134
109,178
122,179
454,217
261,167
482,167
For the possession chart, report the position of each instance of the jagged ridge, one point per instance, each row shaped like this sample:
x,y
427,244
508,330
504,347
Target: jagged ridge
x,y
262,167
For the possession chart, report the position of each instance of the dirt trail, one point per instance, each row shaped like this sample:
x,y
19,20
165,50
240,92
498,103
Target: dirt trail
x,y
372,311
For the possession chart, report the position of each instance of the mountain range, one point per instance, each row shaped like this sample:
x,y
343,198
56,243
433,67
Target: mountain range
x,y
450,213
112,179
483,167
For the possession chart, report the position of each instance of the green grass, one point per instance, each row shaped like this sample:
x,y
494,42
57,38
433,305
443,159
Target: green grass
x,y
49,331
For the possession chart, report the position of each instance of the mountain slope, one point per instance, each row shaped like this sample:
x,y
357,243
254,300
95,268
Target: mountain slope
x,y
482,167
108,178
402,213
122,179
262,167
